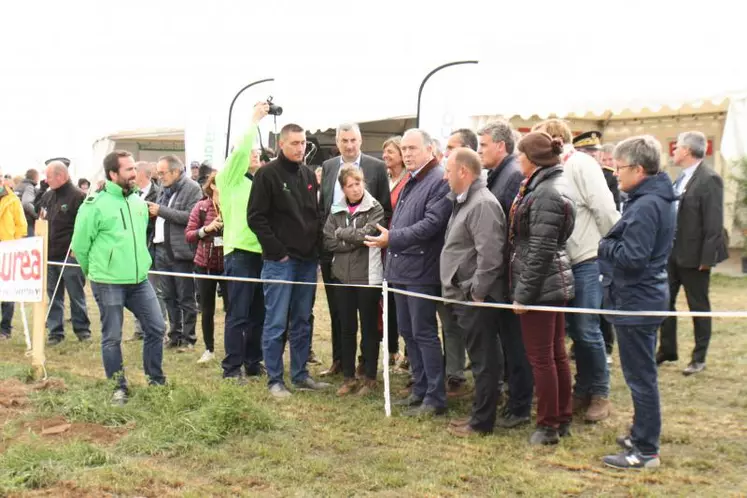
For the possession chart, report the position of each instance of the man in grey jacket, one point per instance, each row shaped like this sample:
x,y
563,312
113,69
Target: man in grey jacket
x,y
472,269
26,191
172,252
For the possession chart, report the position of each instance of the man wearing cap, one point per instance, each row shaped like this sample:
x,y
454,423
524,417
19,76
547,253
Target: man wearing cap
x,y
595,215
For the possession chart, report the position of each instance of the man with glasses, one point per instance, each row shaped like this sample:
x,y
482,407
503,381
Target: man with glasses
x,y
178,196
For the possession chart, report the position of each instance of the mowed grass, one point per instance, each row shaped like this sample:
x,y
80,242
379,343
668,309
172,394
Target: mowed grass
x,y
200,436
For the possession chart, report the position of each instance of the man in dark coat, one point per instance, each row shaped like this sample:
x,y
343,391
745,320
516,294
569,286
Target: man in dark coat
x,y
633,264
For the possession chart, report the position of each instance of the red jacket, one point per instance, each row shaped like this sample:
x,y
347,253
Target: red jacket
x,y
207,255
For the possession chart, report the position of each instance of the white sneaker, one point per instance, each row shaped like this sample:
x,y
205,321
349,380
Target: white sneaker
x,y
206,357
609,359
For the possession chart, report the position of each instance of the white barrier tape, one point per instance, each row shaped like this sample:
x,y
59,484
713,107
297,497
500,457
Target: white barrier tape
x,y
562,309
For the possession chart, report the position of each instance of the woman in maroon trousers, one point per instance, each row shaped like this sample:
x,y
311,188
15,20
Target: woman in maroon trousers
x,y
541,219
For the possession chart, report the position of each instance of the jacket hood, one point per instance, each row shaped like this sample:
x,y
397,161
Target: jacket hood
x,y
542,174
365,205
659,184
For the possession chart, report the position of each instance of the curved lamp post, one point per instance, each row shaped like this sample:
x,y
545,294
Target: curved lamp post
x,y
425,80
230,109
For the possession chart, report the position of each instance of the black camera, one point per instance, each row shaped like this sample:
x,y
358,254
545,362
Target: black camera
x,y
275,110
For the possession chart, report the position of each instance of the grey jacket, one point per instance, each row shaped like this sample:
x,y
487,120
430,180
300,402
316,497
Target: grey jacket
x,y
26,192
344,234
186,194
472,261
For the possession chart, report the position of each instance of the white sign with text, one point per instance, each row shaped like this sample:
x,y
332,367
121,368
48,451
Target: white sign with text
x,y
21,270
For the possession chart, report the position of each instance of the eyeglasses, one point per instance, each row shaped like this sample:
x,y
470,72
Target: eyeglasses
x,y
618,168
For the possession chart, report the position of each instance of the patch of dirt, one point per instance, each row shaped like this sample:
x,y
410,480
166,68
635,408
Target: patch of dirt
x,y
64,489
59,428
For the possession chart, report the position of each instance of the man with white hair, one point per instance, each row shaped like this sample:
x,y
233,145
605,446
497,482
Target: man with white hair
x,y
60,207
349,141
699,245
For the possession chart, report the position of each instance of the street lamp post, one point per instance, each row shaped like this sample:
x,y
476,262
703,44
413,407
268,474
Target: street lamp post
x,y
425,80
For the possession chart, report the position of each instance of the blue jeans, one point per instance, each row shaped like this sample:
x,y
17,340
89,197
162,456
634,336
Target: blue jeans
x,y
140,299
416,318
637,347
592,374
245,315
73,282
287,304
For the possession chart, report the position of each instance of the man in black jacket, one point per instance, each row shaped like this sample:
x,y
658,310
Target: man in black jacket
x,y
699,245
60,207
497,144
348,140
283,212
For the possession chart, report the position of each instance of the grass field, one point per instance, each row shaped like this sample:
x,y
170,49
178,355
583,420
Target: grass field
x,y
201,437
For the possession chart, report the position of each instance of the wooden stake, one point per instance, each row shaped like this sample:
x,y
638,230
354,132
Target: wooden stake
x,y
39,317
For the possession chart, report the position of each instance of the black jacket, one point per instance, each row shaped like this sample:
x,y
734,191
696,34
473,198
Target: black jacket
x,y
609,176
62,206
543,221
504,181
152,196
283,211
700,239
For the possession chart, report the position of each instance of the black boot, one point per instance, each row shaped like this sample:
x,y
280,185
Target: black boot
x,y
544,436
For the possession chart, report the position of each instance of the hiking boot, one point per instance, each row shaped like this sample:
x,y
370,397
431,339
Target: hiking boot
x,y
457,422
632,459
119,398
309,384
332,370
347,387
411,400
456,388
581,404
599,409
544,436
279,391
368,387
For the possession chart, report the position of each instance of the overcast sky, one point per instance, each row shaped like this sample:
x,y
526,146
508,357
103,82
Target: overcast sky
x,y
73,71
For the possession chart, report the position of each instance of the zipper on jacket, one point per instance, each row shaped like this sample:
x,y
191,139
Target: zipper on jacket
x,y
134,241
124,224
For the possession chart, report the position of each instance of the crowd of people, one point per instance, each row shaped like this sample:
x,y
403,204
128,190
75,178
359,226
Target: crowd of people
x,y
539,219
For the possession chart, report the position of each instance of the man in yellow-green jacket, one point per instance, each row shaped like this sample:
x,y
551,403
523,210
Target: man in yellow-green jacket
x,y
109,242
245,314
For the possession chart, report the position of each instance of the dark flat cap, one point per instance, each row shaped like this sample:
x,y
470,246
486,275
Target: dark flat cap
x,y
63,160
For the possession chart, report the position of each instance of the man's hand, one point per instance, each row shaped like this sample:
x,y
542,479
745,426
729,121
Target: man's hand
x,y
153,209
260,111
284,259
519,308
380,241
704,268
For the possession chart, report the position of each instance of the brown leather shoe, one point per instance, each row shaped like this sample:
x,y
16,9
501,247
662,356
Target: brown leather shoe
x,y
599,409
368,386
581,405
333,370
347,387
457,389
457,422
464,431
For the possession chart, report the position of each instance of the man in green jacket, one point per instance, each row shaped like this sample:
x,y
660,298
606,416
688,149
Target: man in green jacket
x,y
109,242
245,314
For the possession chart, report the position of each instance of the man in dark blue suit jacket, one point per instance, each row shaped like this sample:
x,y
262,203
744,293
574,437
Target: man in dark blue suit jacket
x,y
415,240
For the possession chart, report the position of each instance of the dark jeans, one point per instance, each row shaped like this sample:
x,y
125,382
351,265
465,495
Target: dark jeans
x,y
417,324
245,314
637,346
334,309
608,332
73,282
140,299
366,302
544,340
696,284
285,302
206,296
592,373
179,296
478,328
153,279
392,325
518,369
8,308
